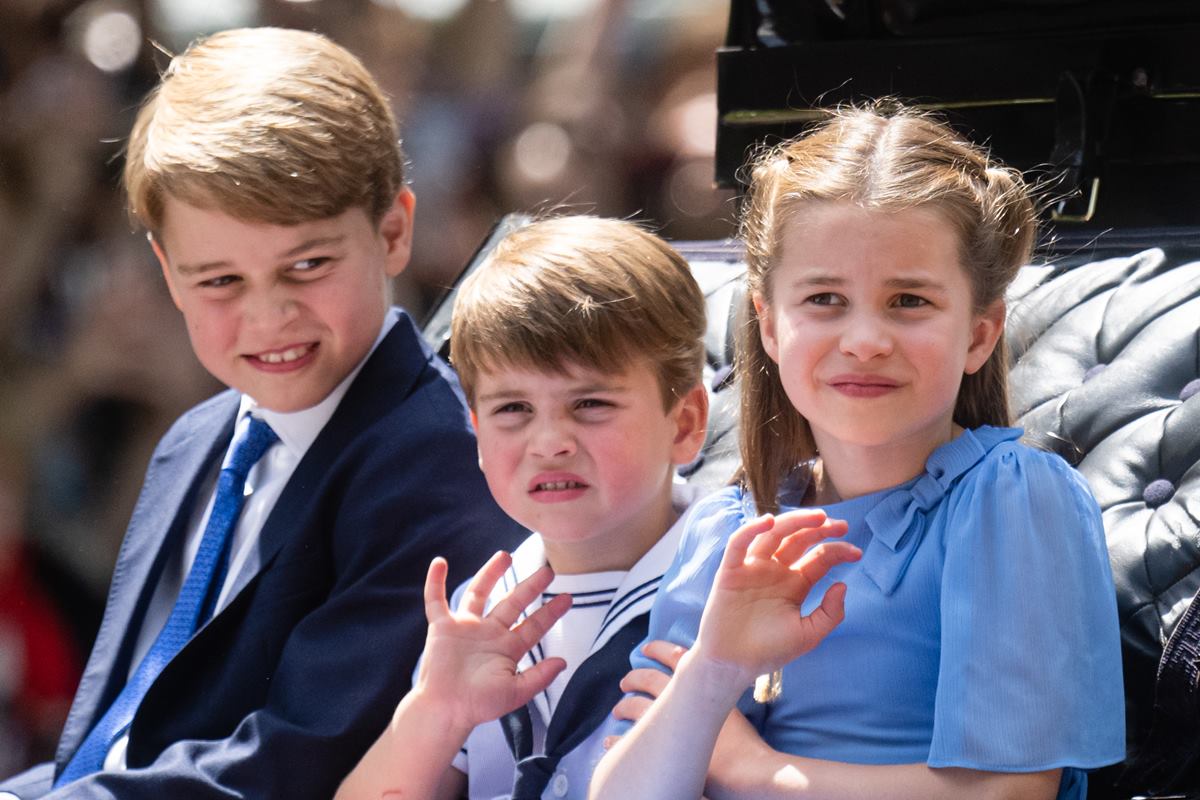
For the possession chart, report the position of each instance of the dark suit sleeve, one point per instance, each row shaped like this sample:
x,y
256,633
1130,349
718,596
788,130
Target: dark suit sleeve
x,y
346,663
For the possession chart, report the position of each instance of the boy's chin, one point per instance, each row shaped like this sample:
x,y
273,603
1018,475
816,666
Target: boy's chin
x,y
286,400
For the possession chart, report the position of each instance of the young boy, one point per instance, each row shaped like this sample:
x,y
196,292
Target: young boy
x,y
579,345
264,614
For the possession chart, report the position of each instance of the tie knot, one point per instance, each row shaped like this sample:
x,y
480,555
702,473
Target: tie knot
x,y
248,449
532,776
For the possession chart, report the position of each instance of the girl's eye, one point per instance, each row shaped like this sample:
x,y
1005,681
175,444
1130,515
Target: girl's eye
x,y
910,301
826,299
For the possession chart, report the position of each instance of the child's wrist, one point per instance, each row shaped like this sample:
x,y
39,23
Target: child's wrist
x,y
711,682
425,713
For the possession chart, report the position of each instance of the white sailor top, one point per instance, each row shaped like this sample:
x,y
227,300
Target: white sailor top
x,y
610,603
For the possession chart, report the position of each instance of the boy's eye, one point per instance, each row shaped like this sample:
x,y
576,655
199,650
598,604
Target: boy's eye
x,y
217,282
515,407
592,402
310,264
910,301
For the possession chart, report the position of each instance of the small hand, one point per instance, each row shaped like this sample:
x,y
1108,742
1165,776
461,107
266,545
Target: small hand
x,y
646,681
738,740
751,620
470,660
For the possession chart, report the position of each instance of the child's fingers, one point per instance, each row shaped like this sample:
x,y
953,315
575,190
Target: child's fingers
x,y
814,564
475,598
436,606
510,607
735,548
796,544
786,524
664,652
646,680
534,627
632,707
829,614
792,521
533,680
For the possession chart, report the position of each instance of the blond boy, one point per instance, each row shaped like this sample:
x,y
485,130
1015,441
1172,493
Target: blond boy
x,y
264,613
579,345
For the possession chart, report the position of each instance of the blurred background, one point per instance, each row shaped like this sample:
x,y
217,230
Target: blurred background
x,y
603,106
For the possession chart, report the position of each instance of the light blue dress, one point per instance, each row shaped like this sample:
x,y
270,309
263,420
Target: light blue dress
x,y
981,622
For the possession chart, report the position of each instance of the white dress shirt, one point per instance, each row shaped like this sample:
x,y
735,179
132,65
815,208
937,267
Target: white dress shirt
x,y
297,430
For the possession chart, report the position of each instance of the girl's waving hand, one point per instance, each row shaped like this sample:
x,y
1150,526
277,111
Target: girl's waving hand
x,y
752,618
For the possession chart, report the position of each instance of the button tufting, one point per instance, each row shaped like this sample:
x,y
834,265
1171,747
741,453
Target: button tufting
x,y
1094,371
1158,492
1190,389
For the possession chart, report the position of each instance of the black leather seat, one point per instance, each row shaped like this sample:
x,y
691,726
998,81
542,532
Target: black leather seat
x,y
1105,346
1105,349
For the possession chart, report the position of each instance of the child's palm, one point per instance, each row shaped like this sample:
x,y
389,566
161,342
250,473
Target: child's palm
x,y
471,657
770,565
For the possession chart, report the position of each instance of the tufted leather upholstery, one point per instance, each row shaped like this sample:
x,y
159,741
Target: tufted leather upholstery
x,y
1105,350
1106,362
1105,372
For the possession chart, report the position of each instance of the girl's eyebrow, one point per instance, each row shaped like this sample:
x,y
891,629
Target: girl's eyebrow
x,y
924,284
823,280
818,279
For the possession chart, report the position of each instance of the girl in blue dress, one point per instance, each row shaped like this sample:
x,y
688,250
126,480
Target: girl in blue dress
x,y
958,637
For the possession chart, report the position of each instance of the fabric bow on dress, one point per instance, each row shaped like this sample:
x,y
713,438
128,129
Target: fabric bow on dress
x,y
898,522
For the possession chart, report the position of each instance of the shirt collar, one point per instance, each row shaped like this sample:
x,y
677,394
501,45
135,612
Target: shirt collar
x,y
636,592
530,556
633,597
297,430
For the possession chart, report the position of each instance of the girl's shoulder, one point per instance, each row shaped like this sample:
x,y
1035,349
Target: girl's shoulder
x,y
719,513
1011,471
1015,491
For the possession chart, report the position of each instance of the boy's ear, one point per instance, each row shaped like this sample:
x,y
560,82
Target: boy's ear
x,y
691,424
766,326
475,427
161,255
396,227
985,332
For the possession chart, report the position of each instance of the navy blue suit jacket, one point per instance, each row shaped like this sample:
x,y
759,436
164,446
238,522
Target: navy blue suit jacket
x,y
283,690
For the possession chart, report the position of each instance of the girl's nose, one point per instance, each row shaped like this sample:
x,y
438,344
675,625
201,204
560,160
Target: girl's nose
x,y
866,337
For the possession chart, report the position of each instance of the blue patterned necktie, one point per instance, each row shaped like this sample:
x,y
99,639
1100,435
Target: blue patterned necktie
x,y
194,604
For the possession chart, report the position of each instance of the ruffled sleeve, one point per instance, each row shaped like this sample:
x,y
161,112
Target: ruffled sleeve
x,y
1030,671
675,616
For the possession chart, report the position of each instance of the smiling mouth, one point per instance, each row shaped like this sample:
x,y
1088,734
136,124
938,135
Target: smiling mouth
x,y
285,356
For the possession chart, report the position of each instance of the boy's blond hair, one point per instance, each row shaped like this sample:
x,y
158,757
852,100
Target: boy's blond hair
x,y
581,291
265,124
